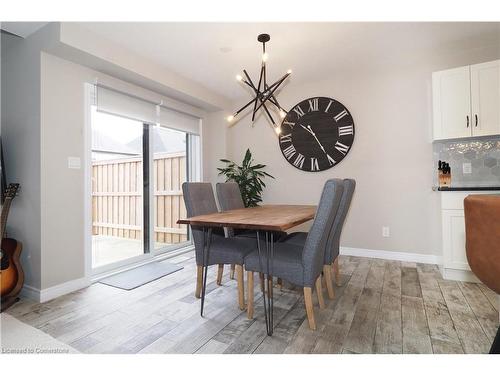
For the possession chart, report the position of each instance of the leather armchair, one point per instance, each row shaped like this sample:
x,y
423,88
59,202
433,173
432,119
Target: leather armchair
x,y
482,228
482,242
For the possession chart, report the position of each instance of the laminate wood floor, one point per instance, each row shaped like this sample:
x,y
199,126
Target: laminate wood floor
x,y
381,307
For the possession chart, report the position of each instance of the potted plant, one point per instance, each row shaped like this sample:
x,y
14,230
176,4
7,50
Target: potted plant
x,y
248,177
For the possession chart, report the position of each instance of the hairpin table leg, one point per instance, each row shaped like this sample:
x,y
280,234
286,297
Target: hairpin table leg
x,y
268,287
207,239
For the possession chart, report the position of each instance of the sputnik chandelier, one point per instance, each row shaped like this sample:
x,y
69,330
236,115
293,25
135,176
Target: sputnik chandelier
x,y
263,92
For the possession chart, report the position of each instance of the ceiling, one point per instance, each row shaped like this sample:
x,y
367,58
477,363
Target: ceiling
x,y
22,29
213,53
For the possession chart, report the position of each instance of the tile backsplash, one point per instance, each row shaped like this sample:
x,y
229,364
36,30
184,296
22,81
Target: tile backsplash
x,y
482,153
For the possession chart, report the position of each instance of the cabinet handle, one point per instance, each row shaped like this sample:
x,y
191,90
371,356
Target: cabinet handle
x,y
467,120
476,120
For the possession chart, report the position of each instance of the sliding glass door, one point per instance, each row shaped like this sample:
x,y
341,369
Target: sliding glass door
x,y
141,154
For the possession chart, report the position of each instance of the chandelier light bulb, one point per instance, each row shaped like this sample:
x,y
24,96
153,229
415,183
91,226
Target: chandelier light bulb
x,y
277,129
230,118
289,71
239,78
282,113
265,56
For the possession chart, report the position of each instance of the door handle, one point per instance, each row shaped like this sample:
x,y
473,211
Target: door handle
x,y
476,120
467,120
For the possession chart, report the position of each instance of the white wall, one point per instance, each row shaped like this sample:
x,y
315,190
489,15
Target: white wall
x,y
391,158
62,189
214,145
21,141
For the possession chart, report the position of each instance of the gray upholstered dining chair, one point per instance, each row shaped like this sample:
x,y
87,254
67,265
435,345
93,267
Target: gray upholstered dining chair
x,y
331,263
301,264
229,198
199,199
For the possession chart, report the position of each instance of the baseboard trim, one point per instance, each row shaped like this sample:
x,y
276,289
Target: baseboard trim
x,y
391,255
31,293
459,275
55,291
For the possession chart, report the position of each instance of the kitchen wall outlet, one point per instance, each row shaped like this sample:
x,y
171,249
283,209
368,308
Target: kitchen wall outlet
x,y
74,162
466,168
386,232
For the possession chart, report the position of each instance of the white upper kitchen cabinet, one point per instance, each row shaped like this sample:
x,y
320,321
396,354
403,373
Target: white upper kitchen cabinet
x,y
466,101
485,96
451,103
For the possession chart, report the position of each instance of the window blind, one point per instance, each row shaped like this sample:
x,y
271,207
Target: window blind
x,y
125,105
179,121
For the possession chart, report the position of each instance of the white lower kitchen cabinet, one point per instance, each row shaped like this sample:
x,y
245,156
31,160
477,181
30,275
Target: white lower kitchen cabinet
x,y
455,265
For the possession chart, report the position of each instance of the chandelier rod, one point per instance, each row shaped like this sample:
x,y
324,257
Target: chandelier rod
x,y
272,98
257,96
242,108
260,81
277,84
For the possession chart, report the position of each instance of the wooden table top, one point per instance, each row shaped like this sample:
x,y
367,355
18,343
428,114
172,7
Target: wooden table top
x,y
267,217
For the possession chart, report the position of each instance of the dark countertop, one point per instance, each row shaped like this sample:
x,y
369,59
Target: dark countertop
x,y
467,188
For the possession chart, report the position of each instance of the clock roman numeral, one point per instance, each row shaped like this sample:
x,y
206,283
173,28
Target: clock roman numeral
x,y
290,124
346,130
342,148
330,159
340,115
286,138
289,152
299,161
298,111
313,104
314,165
328,106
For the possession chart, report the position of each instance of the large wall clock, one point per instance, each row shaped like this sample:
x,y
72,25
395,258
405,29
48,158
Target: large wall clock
x,y
316,134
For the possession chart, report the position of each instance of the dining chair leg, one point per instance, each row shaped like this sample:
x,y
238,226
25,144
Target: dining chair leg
x,y
231,273
261,277
199,281
327,273
309,307
250,294
241,287
336,271
279,283
319,292
220,272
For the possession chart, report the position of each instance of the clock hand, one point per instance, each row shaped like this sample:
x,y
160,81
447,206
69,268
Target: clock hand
x,y
316,138
308,130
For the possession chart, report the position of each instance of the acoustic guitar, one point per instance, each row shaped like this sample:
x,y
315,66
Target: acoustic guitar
x,y
11,272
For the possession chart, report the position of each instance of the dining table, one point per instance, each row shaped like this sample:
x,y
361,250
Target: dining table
x,y
265,220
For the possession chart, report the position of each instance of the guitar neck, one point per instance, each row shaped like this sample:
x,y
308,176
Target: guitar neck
x,y
3,217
